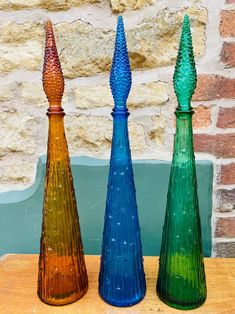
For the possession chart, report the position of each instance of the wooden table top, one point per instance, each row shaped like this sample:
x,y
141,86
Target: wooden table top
x,y
18,282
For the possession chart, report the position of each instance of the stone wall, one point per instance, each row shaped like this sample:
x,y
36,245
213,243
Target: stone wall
x,y
85,33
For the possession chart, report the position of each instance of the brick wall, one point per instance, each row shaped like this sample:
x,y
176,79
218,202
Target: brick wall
x,y
216,90
85,33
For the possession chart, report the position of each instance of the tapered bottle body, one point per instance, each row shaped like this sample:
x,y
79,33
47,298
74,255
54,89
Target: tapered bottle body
x,y
122,278
62,276
181,279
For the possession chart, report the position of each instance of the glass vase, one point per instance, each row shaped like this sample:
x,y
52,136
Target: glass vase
x,y
62,275
121,278
181,279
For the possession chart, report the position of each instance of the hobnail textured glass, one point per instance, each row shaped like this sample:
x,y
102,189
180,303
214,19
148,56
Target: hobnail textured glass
x,y
62,276
121,278
181,279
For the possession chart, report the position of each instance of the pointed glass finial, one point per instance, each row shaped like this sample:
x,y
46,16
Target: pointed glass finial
x,y
185,76
120,76
53,80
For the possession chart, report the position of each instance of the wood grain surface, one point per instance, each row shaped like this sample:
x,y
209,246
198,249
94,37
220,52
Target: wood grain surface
x,y
18,284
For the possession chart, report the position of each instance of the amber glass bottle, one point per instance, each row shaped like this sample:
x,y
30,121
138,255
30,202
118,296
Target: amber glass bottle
x,y
62,275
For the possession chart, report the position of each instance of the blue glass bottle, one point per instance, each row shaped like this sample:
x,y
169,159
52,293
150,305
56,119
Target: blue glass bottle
x,y
121,278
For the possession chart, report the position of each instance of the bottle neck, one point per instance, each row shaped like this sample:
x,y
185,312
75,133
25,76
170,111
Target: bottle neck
x,y
183,144
120,152
57,144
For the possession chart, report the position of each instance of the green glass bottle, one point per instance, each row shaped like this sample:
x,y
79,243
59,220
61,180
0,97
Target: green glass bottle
x,y
181,279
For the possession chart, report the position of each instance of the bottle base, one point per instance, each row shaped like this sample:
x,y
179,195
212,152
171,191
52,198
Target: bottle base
x,y
65,301
181,306
122,304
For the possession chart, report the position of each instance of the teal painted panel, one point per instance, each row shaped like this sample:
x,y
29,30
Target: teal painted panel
x,y
20,211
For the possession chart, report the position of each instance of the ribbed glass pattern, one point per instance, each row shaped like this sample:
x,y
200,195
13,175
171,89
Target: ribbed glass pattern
x,y
181,279
62,276
121,278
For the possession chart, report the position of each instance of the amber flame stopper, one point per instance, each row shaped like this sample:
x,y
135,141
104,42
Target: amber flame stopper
x,y
53,79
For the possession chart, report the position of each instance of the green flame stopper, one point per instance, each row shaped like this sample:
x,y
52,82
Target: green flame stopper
x,y
185,76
